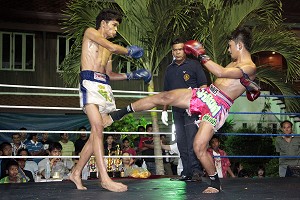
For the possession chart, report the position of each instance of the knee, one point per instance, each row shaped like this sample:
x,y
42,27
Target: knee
x,y
200,149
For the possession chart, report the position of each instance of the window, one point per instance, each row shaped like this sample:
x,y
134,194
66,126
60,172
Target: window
x,y
63,48
17,51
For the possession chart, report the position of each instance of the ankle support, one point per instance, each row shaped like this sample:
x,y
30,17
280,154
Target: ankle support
x,y
215,181
117,115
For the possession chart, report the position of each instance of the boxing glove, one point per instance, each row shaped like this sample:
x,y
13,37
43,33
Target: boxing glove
x,y
140,74
164,118
193,47
252,89
135,52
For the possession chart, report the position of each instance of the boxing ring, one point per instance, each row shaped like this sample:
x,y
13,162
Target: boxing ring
x,y
156,186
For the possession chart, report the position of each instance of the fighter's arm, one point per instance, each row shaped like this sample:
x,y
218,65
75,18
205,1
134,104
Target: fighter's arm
x,y
229,71
113,75
95,36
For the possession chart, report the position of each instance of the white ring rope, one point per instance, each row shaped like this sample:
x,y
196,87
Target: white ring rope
x,y
70,89
105,132
120,156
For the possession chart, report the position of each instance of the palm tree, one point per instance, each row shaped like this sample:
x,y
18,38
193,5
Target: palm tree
x,y
151,24
216,19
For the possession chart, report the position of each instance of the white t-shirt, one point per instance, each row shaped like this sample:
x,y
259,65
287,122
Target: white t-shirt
x,y
218,164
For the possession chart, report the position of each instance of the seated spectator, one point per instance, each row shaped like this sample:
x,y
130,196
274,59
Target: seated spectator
x,y
68,147
29,165
287,145
222,164
109,145
239,170
260,172
80,142
128,163
6,149
63,166
12,173
23,135
16,143
173,149
35,147
126,147
166,161
146,147
46,142
24,172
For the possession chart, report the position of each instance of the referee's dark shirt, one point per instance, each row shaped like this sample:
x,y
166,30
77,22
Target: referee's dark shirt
x,y
189,74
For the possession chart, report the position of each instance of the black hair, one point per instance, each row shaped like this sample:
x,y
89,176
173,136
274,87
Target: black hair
x,y
12,136
23,128
31,135
108,15
10,163
286,121
178,40
3,145
214,137
148,125
23,149
54,145
141,127
82,127
242,34
125,139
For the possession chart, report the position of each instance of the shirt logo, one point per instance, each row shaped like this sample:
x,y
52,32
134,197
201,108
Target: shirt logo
x,y
186,77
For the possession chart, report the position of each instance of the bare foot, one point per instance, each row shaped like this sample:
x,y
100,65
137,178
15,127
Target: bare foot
x,y
77,180
114,186
107,120
211,190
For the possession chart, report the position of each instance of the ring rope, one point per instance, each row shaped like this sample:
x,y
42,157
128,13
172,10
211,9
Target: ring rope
x,y
105,132
72,108
162,156
122,91
137,156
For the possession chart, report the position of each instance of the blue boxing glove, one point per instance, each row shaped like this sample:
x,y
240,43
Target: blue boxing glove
x,y
140,74
135,52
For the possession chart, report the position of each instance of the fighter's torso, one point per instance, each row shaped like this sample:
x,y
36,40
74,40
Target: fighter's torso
x,y
232,87
94,57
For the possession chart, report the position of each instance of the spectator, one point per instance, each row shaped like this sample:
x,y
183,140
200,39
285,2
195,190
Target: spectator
x,y
35,147
6,149
23,172
128,163
136,142
126,147
109,145
239,170
287,146
166,161
68,147
222,164
146,147
261,172
29,165
12,173
23,135
46,142
173,149
16,143
80,142
63,166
